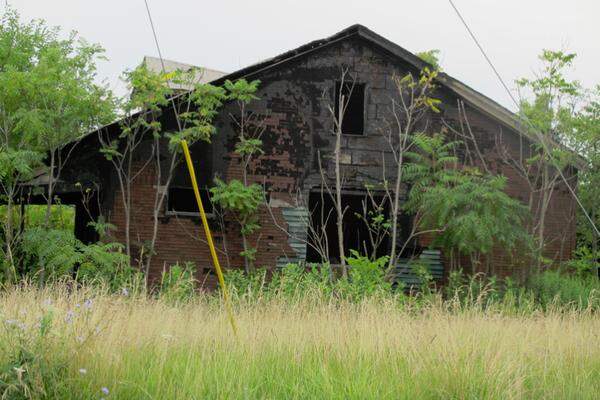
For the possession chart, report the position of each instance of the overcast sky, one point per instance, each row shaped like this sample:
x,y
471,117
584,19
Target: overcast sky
x,y
227,35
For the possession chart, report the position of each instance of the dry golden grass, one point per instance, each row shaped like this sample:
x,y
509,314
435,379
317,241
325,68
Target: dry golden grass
x,y
139,348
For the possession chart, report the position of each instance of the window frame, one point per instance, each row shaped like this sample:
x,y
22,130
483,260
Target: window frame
x,y
190,214
364,85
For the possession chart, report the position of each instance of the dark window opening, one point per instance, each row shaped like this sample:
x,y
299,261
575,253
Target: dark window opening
x,y
356,231
353,96
181,198
183,201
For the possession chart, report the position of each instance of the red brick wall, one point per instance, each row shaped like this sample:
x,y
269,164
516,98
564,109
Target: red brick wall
x,y
298,128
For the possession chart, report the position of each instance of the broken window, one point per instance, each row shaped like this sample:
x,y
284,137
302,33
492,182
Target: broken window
x,y
353,96
356,232
180,198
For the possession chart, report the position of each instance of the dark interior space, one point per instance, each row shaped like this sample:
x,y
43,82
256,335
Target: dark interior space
x,y
183,200
356,232
180,198
354,95
84,215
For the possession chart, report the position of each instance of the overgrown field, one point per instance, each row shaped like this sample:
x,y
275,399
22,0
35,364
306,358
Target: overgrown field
x,y
68,343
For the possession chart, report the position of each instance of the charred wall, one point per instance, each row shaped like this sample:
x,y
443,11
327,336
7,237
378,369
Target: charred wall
x,y
297,130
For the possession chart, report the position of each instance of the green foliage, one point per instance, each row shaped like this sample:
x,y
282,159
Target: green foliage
x,y
585,139
178,283
17,165
242,90
469,211
584,262
551,288
475,214
49,97
48,91
197,120
248,147
423,274
62,217
139,112
366,276
366,279
63,255
236,197
29,369
431,57
419,90
243,203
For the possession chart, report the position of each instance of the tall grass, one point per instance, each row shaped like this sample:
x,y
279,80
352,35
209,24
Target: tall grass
x,y
68,343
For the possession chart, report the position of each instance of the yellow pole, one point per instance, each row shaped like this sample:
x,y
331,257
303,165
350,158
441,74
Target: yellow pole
x,y
211,245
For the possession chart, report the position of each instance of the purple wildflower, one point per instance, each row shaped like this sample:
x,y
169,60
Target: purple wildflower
x,y
69,317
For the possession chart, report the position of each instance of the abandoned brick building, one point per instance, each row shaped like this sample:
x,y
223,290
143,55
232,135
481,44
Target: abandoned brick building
x,y
295,91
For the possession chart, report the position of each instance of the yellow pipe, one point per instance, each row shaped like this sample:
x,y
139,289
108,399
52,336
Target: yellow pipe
x,y
211,245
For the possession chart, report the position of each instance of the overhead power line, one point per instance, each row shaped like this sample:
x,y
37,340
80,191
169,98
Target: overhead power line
x,y
162,62
524,117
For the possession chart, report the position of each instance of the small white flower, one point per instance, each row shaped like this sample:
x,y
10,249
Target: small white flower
x,y
82,371
125,292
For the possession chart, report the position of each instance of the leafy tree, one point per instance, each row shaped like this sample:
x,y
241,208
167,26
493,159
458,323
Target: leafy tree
x,y
412,103
139,121
584,138
242,201
432,57
142,124
194,114
469,211
241,198
547,104
48,98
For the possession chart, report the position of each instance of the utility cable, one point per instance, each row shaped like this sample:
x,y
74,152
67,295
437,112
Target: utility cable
x,y
524,117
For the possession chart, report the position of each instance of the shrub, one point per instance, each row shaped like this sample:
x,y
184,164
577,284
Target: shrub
x,y
559,288
585,262
317,281
60,254
178,283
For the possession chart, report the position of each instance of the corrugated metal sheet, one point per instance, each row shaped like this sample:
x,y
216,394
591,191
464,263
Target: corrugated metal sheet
x,y
431,259
297,220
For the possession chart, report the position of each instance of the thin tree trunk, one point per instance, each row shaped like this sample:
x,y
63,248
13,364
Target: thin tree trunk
x,y
50,191
9,234
338,190
396,209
